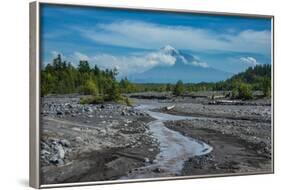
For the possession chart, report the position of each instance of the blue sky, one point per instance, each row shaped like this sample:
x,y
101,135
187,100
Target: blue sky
x,y
130,40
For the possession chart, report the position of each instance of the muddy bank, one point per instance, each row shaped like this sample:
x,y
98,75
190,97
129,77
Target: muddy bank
x,y
151,95
81,143
238,146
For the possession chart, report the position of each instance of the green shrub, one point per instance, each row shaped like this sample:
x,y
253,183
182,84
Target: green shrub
x,y
234,93
266,87
242,91
179,88
127,101
89,88
113,92
245,92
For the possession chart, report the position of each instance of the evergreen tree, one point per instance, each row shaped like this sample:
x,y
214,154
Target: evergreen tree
x,y
84,67
113,92
168,87
179,88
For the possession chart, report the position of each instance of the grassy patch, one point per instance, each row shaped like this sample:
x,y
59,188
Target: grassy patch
x,y
92,100
100,100
126,101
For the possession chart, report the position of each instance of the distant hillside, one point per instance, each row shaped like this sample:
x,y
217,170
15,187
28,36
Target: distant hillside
x,y
258,77
253,74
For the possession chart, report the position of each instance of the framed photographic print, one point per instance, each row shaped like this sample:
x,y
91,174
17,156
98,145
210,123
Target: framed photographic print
x,y
127,94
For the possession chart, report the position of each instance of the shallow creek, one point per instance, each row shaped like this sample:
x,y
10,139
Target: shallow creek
x,y
175,148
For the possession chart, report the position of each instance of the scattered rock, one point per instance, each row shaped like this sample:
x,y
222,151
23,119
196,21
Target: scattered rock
x,y
65,143
123,113
60,152
154,161
78,139
59,112
87,109
158,170
43,152
146,160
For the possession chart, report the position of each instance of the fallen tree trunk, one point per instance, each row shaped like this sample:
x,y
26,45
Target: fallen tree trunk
x,y
170,107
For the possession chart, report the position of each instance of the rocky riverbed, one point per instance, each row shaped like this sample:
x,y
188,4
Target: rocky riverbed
x,y
82,143
239,134
254,110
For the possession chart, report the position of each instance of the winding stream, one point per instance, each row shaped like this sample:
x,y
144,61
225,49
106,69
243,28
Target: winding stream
x,y
175,148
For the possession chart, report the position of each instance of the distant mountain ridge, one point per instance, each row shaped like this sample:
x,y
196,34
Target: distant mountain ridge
x,y
187,68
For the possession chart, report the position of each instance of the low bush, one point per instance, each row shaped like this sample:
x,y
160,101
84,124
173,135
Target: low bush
x,y
89,88
126,101
242,91
179,88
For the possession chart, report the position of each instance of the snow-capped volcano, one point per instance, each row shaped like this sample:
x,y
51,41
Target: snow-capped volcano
x,y
179,66
169,50
181,58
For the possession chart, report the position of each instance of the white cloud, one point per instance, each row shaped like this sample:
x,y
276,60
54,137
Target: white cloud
x,y
133,63
128,64
152,36
79,56
159,58
201,64
249,60
55,54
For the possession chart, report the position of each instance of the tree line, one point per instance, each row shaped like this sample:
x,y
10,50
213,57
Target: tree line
x,y
241,85
61,77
